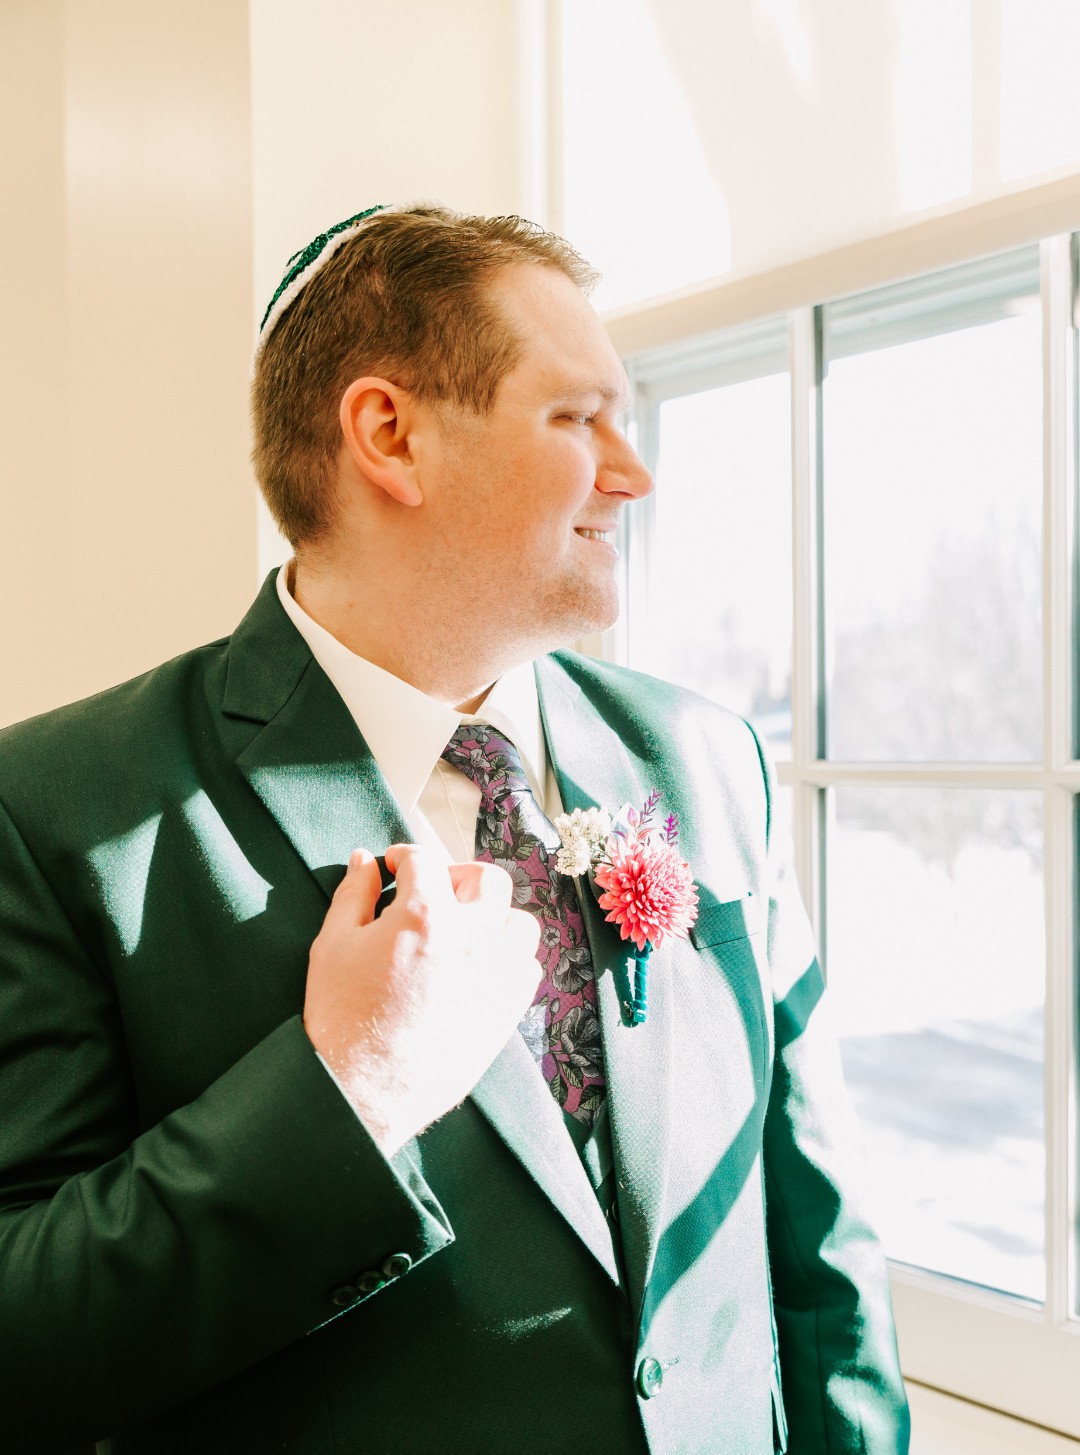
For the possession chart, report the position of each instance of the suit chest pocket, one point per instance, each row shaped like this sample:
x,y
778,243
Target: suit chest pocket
x,y
733,934
719,922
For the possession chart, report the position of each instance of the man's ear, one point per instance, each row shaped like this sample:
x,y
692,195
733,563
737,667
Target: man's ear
x,y
376,417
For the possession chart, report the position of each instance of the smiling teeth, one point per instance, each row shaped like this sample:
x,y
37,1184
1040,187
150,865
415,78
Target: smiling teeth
x,y
596,535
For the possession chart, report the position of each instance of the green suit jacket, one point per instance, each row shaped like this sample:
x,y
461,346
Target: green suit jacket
x,y
202,1250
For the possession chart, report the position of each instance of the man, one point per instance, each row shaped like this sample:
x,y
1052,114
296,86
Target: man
x,y
280,1172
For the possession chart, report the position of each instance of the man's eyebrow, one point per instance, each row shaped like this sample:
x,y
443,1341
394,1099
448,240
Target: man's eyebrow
x,y
606,392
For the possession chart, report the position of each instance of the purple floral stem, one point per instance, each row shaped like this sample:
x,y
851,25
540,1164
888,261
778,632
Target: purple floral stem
x,y
648,808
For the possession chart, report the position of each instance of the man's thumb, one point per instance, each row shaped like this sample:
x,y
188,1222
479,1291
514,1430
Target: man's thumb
x,y
357,894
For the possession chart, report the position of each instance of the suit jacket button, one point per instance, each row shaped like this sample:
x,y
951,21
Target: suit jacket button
x,y
344,1296
396,1265
370,1282
649,1378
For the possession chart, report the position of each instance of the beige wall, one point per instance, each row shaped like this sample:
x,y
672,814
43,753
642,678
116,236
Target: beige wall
x,y
162,162
33,352
424,99
125,507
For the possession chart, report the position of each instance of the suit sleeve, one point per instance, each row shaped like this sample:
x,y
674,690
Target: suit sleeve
x,y
138,1270
839,1370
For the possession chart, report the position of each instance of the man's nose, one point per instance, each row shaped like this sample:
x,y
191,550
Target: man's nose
x,y
623,472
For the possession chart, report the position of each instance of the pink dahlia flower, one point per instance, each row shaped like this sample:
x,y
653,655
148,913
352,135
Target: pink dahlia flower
x,y
648,891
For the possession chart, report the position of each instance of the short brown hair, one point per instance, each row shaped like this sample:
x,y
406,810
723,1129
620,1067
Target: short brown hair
x,y
405,299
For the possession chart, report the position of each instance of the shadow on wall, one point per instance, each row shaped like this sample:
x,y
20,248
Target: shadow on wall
x,y
765,81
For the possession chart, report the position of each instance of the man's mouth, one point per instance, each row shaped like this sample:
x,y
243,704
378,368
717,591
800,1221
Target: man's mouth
x,y
595,535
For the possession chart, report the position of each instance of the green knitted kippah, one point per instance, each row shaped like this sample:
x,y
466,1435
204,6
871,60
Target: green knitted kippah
x,y
304,264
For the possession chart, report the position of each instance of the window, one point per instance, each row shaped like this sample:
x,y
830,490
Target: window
x,y
717,430
870,508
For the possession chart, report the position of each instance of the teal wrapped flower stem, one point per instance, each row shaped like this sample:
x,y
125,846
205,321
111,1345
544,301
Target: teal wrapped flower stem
x,y
639,1006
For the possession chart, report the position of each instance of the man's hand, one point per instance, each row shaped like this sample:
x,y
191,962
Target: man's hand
x,y
409,1010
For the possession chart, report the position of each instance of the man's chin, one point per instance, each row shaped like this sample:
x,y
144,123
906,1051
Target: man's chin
x,y
560,620
597,617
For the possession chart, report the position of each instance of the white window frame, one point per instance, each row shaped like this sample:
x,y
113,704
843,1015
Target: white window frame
x,y
987,1347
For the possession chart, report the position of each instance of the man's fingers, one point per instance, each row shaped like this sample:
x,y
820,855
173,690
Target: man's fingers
x,y
526,927
356,895
482,883
420,874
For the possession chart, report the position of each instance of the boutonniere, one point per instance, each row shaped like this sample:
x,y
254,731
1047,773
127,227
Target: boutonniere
x,y
639,877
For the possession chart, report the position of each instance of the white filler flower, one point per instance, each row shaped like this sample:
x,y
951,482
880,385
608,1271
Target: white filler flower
x,y
582,834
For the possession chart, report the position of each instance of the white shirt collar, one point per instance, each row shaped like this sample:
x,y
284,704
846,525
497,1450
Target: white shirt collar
x,y
405,729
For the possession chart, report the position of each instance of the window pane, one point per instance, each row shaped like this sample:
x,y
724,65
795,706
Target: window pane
x,y
932,517
719,618
936,968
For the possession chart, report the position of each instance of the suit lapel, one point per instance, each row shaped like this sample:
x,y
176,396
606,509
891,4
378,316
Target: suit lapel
x,y
309,764
516,1101
315,773
594,768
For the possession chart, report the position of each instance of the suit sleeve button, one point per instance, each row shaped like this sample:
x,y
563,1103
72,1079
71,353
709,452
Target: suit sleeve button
x,y
370,1281
649,1378
344,1296
396,1265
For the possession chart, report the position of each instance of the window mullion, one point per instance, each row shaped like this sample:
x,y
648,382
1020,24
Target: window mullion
x,y
1059,746
638,527
1060,1057
806,742
1058,490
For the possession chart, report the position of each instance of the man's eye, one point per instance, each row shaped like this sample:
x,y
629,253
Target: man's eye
x,y
580,418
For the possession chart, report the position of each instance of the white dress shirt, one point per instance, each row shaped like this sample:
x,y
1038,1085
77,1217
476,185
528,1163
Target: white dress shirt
x,y
406,731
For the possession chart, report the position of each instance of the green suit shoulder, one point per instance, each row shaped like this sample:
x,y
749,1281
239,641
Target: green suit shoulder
x,y
131,742
654,717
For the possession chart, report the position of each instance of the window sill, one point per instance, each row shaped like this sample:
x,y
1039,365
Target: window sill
x,y
944,1425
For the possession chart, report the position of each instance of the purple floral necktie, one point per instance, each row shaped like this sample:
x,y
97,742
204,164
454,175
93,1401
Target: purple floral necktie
x,y
561,1030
